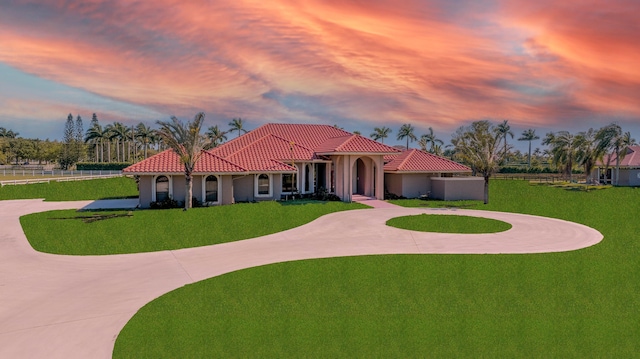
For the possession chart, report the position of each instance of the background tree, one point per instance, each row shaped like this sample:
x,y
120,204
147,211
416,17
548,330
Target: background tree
x,y
612,141
187,142
430,140
529,135
216,135
67,157
504,130
380,133
478,145
237,125
4,133
563,146
79,140
406,131
587,152
145,134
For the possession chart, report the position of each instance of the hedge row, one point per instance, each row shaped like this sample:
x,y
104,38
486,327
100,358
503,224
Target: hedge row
x,y
107,166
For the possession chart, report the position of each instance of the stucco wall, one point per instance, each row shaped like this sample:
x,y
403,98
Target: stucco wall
x,y
227,190
146,187
393,183
243,188
179,191
415,185
629,177
457,188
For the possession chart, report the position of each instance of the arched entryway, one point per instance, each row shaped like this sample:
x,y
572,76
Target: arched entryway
x,y
359,176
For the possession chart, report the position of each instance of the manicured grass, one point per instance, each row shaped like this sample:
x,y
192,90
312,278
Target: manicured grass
x,y
155,230
121,187
442,223
573,304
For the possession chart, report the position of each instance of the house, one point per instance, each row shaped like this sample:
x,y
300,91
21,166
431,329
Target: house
x,y
629,168
279,160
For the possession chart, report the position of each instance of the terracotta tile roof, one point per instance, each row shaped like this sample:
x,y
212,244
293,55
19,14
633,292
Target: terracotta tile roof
x,y
419,162
270,153
353,144
306,135
631,159
169,162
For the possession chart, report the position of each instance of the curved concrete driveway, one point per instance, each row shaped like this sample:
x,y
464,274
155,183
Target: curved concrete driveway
x,y
58,306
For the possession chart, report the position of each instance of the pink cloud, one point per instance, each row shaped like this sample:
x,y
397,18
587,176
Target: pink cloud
x,y
382,62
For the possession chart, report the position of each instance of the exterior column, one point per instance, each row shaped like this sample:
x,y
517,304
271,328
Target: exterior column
x,y
380,178
347,177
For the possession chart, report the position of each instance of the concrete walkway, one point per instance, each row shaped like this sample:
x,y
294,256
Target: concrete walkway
x,y
54,306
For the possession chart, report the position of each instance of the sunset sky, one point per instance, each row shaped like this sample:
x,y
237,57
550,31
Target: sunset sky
x,y
545,64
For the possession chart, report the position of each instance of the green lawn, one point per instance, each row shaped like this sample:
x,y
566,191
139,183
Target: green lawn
x,y
575,304
155,230
441,223
121,187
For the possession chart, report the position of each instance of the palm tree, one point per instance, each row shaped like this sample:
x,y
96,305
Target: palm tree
x,y
187,142
111,135
145,134
587,152
478,146
430,139
380,133
611,139
504,130
406,131
96,135
529,135
237,125
563,150
216,135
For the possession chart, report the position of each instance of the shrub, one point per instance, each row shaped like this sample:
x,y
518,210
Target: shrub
x,y
165,204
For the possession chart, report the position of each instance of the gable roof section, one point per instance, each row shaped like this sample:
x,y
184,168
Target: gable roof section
x,y
354,144
270,153
631,159
416,161
168,162
305,135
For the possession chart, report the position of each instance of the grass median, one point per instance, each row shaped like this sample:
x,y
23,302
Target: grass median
x,y
443,223
114,232
573,304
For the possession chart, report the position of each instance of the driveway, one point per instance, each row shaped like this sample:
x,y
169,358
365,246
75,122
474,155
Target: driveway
x,y
55,306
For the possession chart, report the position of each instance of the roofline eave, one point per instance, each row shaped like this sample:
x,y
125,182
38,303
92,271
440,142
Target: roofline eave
x,y
357,153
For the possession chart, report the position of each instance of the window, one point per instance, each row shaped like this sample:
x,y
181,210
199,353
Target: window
x,y
287,183
211,189
264,185
162,188
307,180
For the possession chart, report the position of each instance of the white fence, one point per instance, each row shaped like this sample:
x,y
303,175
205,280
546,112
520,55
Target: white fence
x,y
60,179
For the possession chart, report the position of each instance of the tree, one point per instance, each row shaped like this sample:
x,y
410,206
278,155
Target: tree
x,y
380,133
406,131
216,135
529,135
612,141
478,146
187,142
430,139
587,152
145,134
78,140
67,156
563,146
504,130
7,133
96,135
237,125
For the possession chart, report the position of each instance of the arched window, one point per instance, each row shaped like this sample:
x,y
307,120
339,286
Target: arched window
x,y
162,188
264,185
211,189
